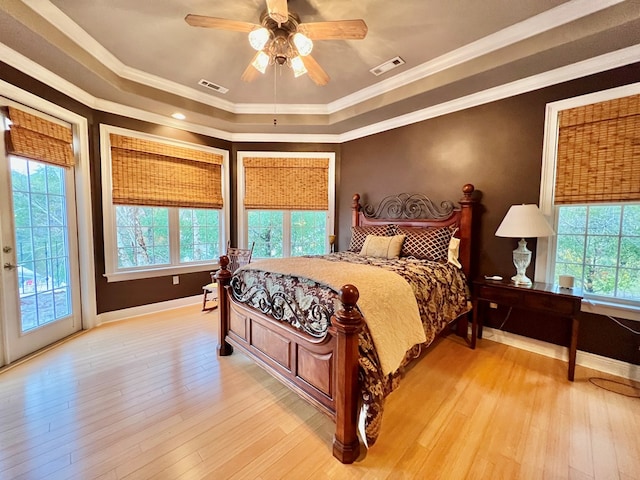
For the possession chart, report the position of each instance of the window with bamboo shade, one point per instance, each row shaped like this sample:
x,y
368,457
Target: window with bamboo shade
x,y
273,183
145,172
595,198
286,202
598,156
37,138
164,205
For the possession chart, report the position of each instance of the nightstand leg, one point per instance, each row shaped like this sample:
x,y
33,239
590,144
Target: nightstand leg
x,y
573,348
474,324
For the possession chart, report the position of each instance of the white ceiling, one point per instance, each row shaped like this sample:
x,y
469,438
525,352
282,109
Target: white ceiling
x,y
140,55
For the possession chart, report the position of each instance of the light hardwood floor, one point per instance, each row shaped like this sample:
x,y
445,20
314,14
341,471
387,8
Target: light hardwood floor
x,y
148,398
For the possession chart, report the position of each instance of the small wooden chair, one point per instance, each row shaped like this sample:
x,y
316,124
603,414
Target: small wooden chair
x,y
237,258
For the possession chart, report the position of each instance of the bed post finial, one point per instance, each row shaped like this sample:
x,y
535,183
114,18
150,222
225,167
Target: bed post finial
x,y
467,191
346,324
223,276
355,209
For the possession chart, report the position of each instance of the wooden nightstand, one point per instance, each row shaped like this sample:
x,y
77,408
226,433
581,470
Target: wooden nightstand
x,y
539,297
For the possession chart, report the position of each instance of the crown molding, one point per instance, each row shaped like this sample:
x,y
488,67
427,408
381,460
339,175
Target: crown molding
x,y
570,72
591,66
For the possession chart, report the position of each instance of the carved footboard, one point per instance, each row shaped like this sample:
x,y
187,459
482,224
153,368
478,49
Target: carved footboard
x,y
322,370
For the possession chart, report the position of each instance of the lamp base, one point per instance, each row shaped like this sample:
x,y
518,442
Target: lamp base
x,y
521,280
521,259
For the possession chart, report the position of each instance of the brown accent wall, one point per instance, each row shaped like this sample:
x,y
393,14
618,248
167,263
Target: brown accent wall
x,y
498,148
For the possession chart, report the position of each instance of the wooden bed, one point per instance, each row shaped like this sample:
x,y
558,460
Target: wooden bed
x,y
324,369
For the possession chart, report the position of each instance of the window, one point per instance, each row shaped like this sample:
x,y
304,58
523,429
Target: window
x,y
169,221
305,232
591,190
600,246
286,202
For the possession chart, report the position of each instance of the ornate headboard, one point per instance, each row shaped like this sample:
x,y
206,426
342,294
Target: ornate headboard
x,y
417,210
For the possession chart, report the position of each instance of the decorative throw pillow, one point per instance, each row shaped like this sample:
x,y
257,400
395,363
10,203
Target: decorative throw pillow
x,y
453,252
426,243
382,247
358,235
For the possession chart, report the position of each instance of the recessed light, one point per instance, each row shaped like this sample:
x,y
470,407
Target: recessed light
x,y
178,116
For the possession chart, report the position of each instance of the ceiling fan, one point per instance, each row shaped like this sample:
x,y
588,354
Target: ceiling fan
x,y
283,40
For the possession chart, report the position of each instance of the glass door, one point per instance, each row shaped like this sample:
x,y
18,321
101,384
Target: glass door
x,y
40,280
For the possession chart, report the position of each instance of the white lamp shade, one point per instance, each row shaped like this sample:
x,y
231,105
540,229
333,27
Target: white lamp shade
x,y
261,62
258,38
524,221
298,66
303,44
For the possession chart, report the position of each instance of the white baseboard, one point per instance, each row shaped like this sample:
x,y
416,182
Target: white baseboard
x,y
584,359
146,309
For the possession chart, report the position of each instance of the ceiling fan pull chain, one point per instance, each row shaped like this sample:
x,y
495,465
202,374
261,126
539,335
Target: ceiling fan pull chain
x,y
275,103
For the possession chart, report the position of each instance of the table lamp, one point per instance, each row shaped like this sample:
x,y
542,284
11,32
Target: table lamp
x,y
523,221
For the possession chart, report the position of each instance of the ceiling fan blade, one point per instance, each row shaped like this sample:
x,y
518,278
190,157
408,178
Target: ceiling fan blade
x,y
251,73
278,10
221,23
336,30
315,71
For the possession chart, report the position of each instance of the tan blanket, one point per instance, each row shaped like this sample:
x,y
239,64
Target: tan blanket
x,y
386,301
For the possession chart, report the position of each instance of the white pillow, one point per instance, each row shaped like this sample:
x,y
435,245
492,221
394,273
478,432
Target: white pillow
x,y
382,247
453,252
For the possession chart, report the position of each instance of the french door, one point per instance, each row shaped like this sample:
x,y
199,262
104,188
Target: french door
x,y
40,274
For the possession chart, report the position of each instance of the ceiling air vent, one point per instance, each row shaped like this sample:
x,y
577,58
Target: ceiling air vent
x,y
386,66
212,86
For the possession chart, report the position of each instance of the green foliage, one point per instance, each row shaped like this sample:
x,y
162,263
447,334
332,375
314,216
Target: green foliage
x,y
308,232
266,230
142,236
600,246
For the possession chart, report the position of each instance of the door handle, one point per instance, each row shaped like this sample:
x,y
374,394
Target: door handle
x,y
10,266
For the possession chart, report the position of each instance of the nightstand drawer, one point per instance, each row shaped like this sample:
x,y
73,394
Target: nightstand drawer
x,y
500,295
554,304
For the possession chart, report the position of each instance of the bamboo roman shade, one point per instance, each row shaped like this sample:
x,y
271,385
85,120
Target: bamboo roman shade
x,y
286,183
150,173
34,137
599,152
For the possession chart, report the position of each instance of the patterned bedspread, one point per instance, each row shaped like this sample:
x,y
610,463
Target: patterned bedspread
x,y
441,292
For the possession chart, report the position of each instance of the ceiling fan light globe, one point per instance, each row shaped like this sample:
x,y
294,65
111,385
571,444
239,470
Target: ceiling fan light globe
x,y
297,65
261,62
303,44
258,38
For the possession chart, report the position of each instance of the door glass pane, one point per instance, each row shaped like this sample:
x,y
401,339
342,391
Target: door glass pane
x,y
42,244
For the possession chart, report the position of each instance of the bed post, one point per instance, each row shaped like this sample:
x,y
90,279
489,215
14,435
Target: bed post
x,y
223,276
355,207
466,234
466,225
346,324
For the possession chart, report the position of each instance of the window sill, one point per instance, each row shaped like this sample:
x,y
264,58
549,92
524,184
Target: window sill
x,y
599,307
159,272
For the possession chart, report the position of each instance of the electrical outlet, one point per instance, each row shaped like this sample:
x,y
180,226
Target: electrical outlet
x,y
493,305
176,279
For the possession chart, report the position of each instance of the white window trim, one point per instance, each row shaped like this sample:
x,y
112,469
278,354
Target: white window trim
x,y
112,273
242,212
544,262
